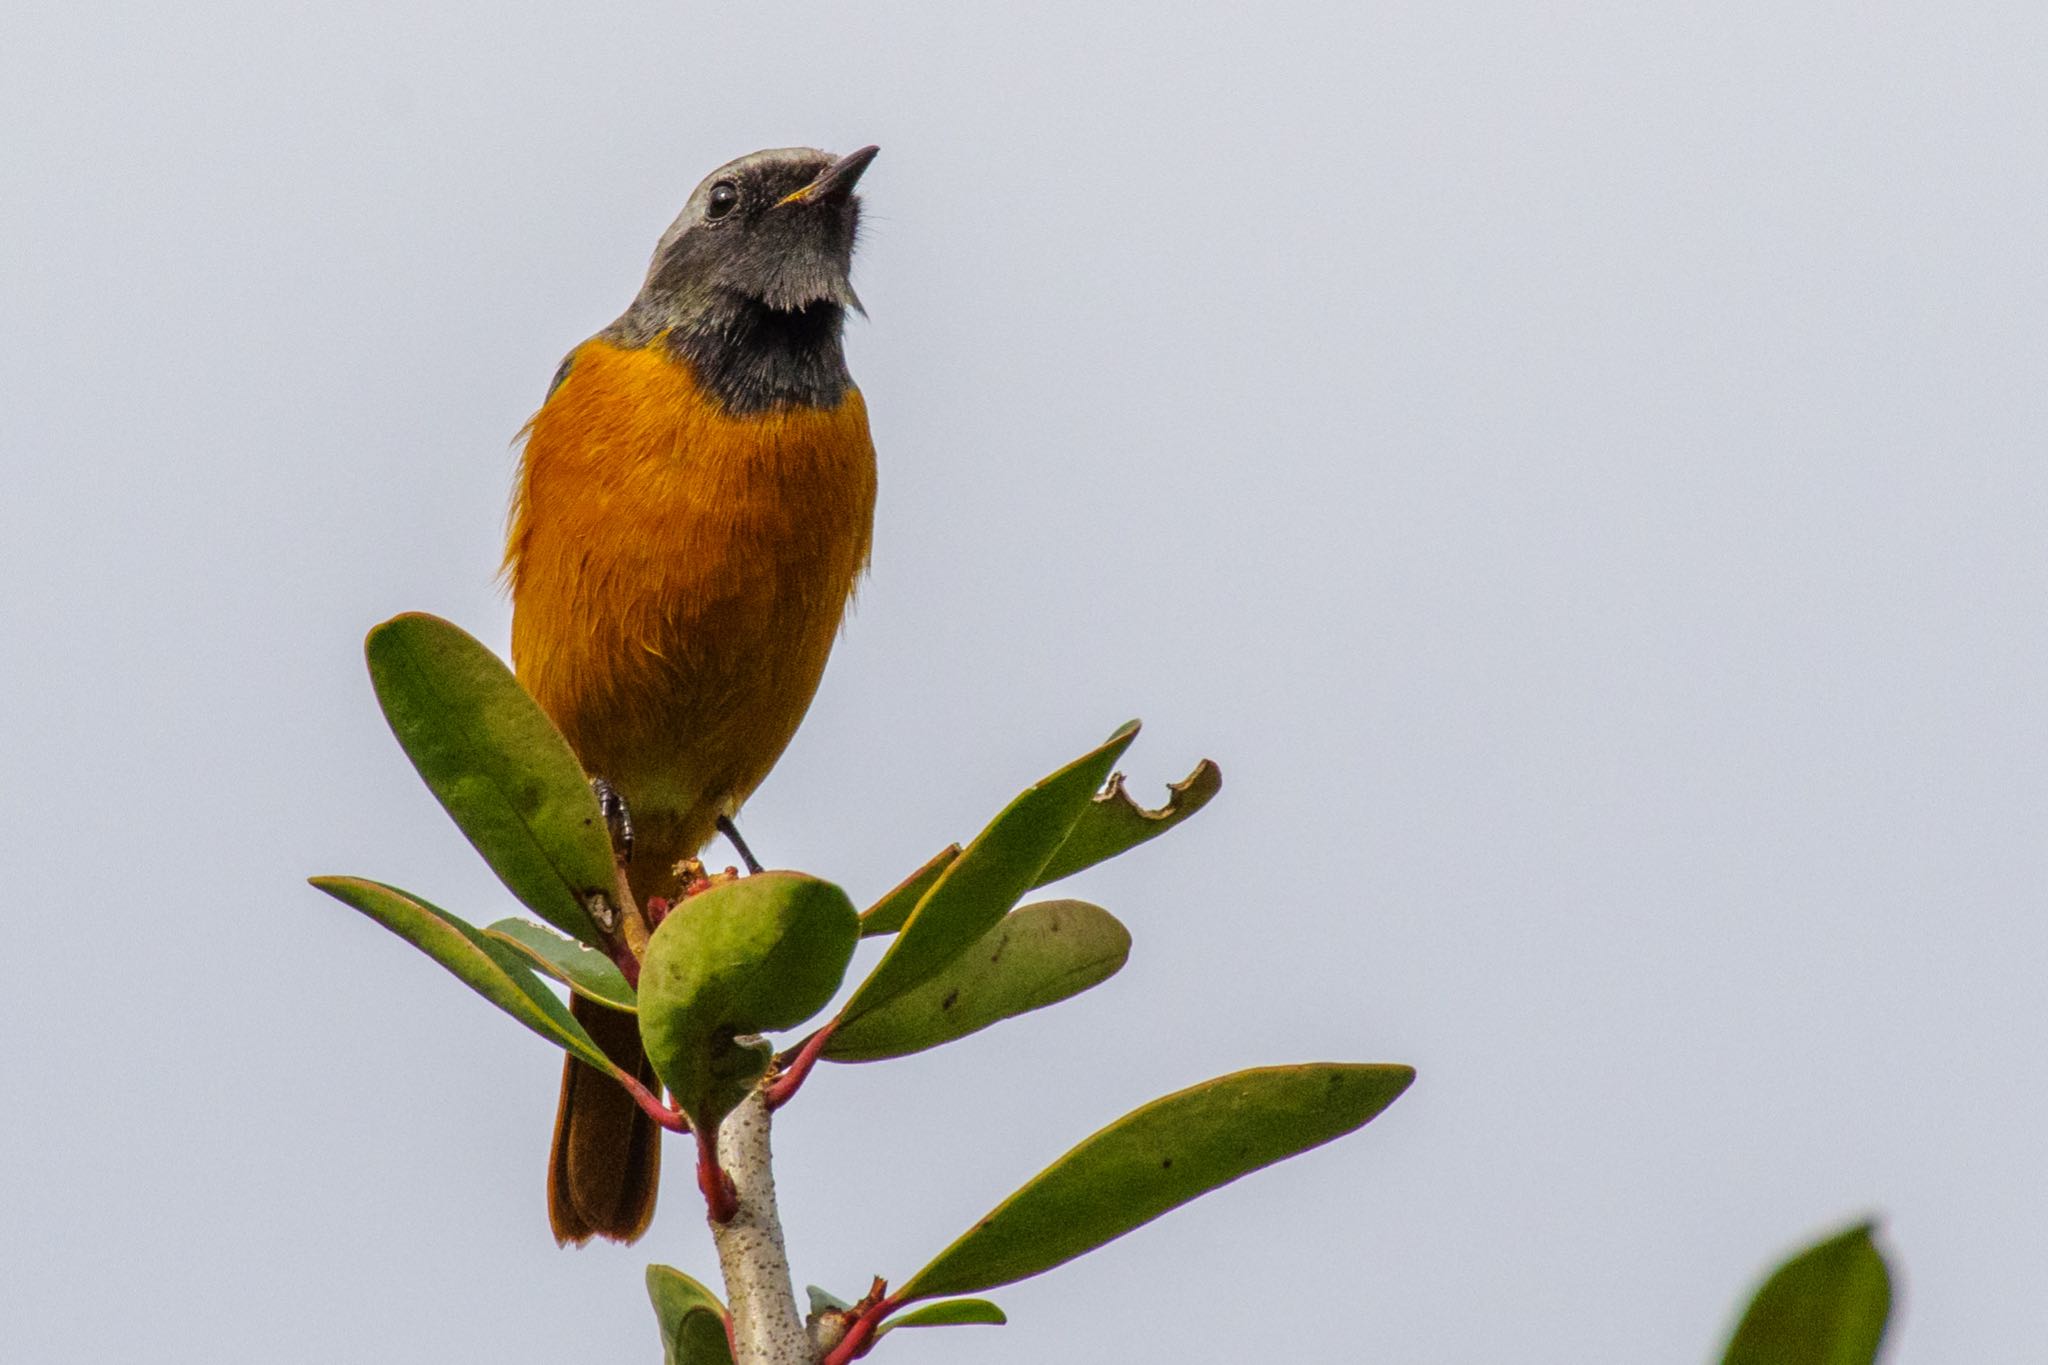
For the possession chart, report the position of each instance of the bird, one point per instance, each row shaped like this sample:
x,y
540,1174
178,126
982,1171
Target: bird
x,y
693,509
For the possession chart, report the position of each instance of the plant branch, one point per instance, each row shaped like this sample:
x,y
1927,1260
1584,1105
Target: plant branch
x,y
867,1318
785,1084
650,1103
766,1328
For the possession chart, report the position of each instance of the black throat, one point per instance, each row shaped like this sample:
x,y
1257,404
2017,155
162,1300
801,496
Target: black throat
x,y
752,358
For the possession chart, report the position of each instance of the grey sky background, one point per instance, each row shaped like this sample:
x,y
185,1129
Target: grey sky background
x,y
1579,469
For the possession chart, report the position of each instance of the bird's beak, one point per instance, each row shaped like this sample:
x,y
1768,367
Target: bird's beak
x,y
836,181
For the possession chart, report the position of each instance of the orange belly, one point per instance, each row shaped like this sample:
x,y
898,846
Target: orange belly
x,y
678,577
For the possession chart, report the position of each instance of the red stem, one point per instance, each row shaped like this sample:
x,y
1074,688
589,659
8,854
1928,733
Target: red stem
x,y
784,1087
861,1335
650,1103
721,1198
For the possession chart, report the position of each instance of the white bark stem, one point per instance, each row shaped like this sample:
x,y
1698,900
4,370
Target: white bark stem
x,y
766,1328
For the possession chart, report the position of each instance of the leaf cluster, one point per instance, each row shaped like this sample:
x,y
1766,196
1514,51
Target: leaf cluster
x,y
708,977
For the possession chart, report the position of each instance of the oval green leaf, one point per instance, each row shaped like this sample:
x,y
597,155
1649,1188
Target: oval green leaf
x,y
988,878
498,765
1826,1306
886,915
756,955
1113,823
494,970
582,969
1155,1159
691,1317
1034,957
949,1313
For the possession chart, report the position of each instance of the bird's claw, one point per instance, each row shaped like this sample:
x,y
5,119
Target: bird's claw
x,y
618,820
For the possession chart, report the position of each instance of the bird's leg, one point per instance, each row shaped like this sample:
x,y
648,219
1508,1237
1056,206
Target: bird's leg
x,y
732,834
618,821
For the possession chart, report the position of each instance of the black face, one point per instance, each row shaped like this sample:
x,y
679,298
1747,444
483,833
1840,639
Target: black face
x,y
750,285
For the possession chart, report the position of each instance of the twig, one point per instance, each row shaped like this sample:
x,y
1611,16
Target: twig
x,y
766,1328
788,1079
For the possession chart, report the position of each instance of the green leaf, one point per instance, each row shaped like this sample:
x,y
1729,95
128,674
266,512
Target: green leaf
x,y
824,1301
583,970
692,1319
492,969
498,765
949,1313
1826,1306
1035,956
752,956
1158,1158
980,886
1113,823
886,915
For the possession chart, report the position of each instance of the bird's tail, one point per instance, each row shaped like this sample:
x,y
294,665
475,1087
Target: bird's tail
x,y
605,1166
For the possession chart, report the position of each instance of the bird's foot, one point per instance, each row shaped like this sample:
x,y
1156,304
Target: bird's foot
x,y
732,835
618,820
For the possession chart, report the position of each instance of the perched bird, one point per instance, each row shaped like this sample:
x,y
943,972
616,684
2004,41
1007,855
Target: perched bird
x,y
695,503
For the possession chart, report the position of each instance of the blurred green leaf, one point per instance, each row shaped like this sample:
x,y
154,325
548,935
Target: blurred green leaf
x,y
824,1301
1826,1306
980,886
1155,1159
1034,957
953,1312
949,1313
583,970
755,955
492,969
886,915
1113,823
498,765
692,1319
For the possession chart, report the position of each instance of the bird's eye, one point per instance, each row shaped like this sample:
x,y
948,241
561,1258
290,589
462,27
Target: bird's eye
x,y
725,196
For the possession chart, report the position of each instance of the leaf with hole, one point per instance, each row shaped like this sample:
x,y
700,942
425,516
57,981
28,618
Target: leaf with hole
x,y
756,955
582,969
1113,823
1826,1306
988,878
1155,1159
498,765
492,969
691,1317
1035,956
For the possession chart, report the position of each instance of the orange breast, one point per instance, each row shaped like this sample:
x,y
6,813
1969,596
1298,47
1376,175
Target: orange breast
x,y
678,576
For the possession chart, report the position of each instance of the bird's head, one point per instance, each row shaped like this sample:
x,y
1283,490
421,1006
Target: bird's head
x,y
773,229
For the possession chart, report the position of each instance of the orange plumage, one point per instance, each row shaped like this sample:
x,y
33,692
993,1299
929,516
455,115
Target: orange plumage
x,y
679,575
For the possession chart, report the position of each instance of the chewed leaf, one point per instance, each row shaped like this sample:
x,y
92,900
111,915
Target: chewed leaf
x,y
692,1319
583,970
1155,1159
1034,957
990,876
1828,1305
1113,823
886,915
498,765
949,1313
494,970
